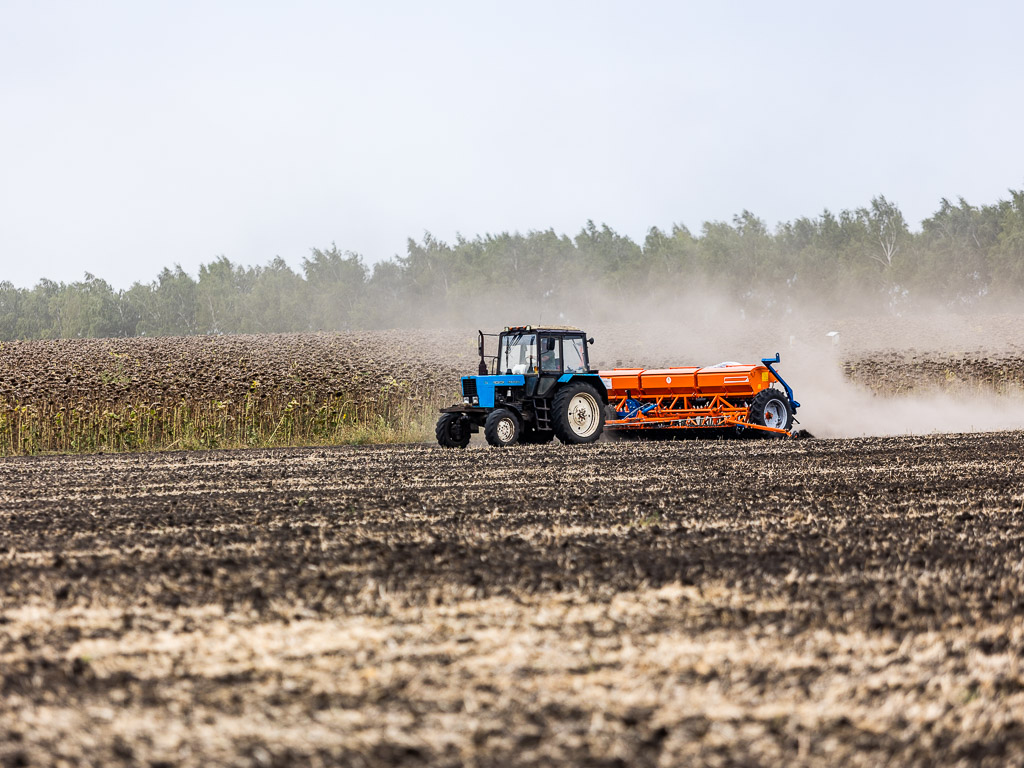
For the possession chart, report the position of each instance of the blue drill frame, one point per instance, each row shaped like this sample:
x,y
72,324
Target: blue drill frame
x,y
769,361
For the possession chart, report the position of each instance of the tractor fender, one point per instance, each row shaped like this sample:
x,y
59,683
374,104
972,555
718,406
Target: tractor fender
x,y
590,379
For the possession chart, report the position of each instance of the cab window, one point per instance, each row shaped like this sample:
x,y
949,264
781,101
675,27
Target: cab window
x,y
550,354
518,353
574,353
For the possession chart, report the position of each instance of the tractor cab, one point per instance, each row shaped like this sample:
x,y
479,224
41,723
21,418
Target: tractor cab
x,y
534,383
542,351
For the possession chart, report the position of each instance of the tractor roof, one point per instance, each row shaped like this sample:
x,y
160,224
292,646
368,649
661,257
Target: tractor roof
x,y
542,328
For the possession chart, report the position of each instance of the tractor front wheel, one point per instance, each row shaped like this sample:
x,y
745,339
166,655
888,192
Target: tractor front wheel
x,y
577,414
502,428
452,430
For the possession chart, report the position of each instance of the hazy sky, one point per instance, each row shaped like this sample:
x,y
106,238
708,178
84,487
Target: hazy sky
x,y
135,135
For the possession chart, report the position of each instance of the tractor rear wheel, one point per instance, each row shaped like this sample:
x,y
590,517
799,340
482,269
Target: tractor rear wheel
x,y
452,430
502,428
577,414
770,408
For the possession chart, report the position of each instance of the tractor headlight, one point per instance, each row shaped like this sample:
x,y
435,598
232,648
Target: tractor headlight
x,y
465,400
476,401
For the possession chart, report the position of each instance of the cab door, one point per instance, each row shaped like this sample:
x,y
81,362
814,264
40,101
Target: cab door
x,y
550,367
551,355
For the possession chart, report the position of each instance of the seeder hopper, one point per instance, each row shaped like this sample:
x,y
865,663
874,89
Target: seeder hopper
x,y
540,386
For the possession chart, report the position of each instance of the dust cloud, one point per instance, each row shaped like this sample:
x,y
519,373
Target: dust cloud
x,y
833,406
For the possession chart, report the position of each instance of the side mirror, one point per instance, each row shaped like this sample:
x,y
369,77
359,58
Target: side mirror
x,y
590,340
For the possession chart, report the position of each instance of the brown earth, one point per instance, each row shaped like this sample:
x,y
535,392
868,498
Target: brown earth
x,y
196,368
900,373
819,602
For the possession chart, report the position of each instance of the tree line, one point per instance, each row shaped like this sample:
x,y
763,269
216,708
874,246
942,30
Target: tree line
x,y
964,257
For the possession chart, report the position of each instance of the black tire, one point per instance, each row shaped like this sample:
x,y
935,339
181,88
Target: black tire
x,y
770,408
452,430
537,437
577,414
502,428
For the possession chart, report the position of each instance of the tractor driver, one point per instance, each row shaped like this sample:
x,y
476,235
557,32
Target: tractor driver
x,y
549,359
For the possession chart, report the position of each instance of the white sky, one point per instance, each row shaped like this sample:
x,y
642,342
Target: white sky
x,y
135,135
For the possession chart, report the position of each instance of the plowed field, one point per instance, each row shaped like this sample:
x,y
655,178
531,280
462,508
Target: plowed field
x,y
726,603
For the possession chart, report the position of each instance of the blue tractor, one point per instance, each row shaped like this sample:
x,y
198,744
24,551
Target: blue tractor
x,y
537,387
